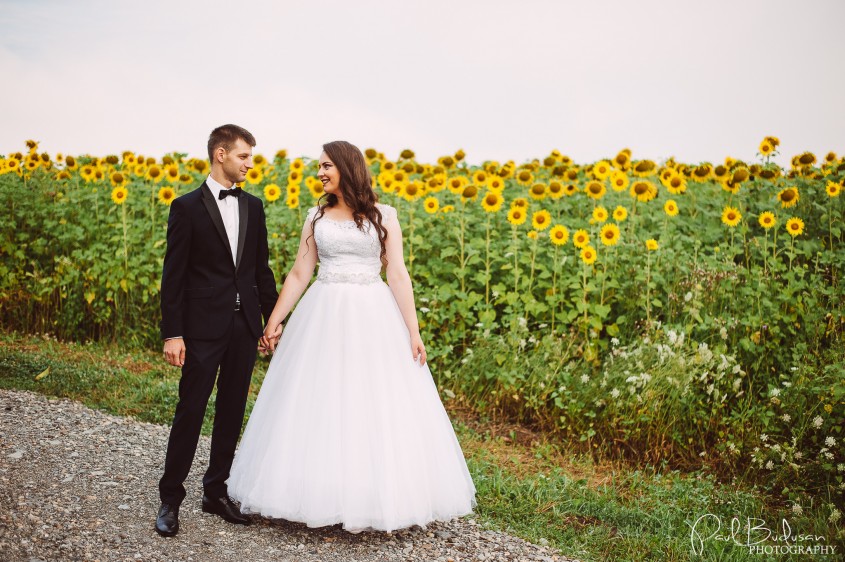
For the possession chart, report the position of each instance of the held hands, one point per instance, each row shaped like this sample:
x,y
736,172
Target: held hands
x,y
267,343
418,349
174,352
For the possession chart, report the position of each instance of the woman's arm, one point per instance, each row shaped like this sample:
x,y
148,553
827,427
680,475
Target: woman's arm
x,y
295,283
400,284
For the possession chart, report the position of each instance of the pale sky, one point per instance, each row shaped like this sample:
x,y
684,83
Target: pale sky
x,y
502,80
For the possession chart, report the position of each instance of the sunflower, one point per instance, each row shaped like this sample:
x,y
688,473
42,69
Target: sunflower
x,y
520,202
492,202
119,195
570,189
272,192
794,226
117,179
70,163
702,172
297,165
833,189
532,234
292,201
155,174
788,197
774,141
619,181
620,213
767,220
600,214
480,177
524,177
766,148
602,170
446,161
541,220
495,183
537,191
456,184
200,166
730,186
555,189
807,159
676,185
571,174
740,175
186,178
731,216
166,195
413,191
295,176
171,172
447,208
431,205
609,234
316,190
644,168
254,176
588,255
622,161
643,190
651,244
671,207
581,238
830,157
469,192
559,235
517,216
720,172
595,189
293,189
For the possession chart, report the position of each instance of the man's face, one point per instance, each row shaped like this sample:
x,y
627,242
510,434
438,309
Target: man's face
x,y
236,162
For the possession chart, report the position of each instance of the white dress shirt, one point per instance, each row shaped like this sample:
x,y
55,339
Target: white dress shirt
x,y
229,211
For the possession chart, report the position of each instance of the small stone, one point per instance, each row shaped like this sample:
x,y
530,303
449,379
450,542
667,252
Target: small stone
x,y
543,542
123,506
16,455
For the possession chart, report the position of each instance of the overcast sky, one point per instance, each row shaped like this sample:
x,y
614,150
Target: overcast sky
x,y
502,80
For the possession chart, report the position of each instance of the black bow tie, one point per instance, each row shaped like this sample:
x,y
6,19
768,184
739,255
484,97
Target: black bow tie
x,y
224,193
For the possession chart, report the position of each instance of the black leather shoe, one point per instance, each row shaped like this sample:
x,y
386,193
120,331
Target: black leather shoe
x,y
167,523
225,509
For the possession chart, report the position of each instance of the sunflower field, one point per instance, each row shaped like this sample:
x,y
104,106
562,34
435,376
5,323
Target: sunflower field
x,y
689,313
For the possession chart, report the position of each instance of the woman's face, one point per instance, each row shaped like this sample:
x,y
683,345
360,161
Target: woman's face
x,y
329,175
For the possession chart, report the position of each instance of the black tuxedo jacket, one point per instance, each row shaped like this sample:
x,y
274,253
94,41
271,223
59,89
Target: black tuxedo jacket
x,y
200,280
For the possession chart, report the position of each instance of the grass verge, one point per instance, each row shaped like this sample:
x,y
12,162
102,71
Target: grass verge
x,y
527,485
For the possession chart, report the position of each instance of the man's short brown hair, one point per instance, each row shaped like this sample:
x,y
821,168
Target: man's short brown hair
x,y
226,136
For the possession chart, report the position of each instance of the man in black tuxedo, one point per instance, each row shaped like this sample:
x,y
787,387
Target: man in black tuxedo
x,y
215,286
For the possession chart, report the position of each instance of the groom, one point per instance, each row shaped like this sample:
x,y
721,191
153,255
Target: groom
x,y
215,286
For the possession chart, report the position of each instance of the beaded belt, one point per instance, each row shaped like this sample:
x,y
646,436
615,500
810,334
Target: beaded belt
x,y
359,278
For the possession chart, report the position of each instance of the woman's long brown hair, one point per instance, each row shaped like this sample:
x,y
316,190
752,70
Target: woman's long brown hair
x,y
357,190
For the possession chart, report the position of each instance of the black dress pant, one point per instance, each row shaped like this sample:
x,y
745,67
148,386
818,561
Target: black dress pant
x,y
234,355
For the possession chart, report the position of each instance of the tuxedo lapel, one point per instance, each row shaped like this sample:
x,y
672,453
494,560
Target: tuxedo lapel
x,y
214,213
243,210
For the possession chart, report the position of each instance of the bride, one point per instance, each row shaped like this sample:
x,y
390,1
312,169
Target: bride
x,y
348,426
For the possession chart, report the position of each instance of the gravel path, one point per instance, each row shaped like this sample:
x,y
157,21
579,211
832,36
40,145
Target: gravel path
x,y
78,484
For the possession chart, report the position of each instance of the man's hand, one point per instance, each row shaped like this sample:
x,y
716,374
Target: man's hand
x,y
270,338
174,352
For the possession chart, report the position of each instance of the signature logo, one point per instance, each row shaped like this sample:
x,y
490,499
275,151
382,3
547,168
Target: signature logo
x,y
755,535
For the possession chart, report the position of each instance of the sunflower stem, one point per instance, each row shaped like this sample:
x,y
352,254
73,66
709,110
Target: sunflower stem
x,y
487,267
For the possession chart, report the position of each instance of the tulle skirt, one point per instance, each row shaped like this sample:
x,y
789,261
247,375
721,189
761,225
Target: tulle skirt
x,y
347,427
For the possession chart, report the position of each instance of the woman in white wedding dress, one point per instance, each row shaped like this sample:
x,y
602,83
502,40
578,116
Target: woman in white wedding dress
x,y
348,426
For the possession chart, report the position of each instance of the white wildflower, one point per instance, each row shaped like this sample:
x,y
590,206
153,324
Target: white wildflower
x,y
688,296
834,515
797,509
817,422
775,392
840,467
614,393
786,417
798,455
585,379
723,333
614,341
830,441
425,309
829,456
770,465
764,437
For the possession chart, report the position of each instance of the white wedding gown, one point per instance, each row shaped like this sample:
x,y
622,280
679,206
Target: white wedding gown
x,y
347,427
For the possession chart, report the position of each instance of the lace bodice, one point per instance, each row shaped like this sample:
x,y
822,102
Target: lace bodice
x,y
346,253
